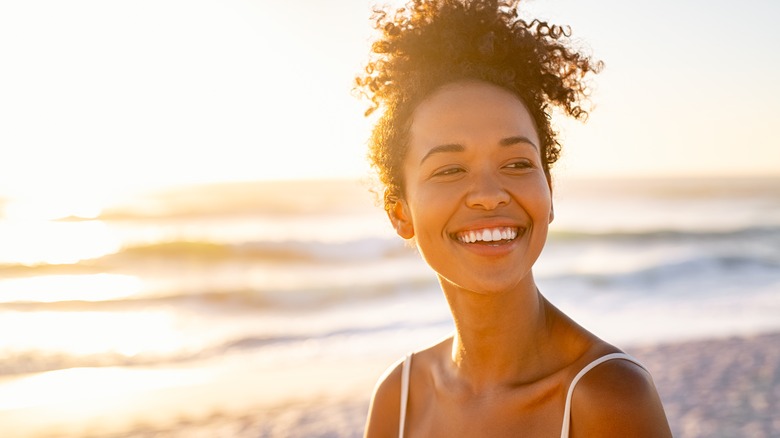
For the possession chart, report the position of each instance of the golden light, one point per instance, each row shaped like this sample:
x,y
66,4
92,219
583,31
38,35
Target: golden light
x,y
33,242
54,288
92,332
90,401
77,385
36,209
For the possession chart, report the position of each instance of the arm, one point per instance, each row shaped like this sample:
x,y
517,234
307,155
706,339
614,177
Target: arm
x,y
618,398
384,410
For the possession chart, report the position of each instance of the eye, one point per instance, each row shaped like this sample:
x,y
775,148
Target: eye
x,y
519,165
448,171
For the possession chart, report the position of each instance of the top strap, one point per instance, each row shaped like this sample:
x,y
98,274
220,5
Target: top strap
x,y
590,366
405,371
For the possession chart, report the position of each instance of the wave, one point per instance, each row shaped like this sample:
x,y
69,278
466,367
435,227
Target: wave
x,y
695,270
42,361
193,251
218,299
360,249
746,233
267,250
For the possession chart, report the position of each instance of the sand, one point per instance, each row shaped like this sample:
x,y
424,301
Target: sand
x,y
710,388
719,388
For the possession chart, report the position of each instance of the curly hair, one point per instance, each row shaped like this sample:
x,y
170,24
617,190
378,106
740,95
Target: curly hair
x,y
430,43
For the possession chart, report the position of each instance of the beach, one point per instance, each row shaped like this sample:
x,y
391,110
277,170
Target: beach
x,y
719,387
710,388
270,309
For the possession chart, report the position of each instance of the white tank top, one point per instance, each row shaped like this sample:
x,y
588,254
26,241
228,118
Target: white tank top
x,y
567,408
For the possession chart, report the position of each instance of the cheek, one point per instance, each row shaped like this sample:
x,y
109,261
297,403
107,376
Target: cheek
x,y
430,210
537,199
425,213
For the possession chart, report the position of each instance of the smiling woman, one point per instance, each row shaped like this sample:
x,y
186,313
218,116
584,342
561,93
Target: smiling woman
x,y
495,163
464,149
290,297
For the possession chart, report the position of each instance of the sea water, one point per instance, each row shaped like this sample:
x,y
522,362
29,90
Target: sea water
x,y
234,285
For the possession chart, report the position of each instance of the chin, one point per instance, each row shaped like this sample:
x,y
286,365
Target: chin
x,y
486,287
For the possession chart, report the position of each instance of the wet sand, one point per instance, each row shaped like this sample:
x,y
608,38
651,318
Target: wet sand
x,y
710,388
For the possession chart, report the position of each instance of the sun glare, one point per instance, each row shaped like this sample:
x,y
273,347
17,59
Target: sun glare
x,y
55,288
36,209
78,385
85,333
33,242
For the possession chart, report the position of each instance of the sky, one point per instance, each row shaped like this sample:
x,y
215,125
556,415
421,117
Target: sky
x,y
105,97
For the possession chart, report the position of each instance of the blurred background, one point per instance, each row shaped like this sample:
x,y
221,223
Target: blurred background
x,y
189,245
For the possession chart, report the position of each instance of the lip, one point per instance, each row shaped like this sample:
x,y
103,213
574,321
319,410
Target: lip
x,y
489,249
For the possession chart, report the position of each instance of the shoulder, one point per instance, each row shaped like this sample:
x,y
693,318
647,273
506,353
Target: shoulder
x,y
384,410
384,413
618,398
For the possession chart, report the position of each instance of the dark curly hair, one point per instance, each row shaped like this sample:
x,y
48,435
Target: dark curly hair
x,y
429,43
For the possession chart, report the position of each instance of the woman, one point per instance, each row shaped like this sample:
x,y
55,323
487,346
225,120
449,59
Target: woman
x,y
464,148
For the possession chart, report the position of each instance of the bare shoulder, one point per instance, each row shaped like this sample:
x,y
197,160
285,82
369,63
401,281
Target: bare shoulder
x,y
384,413
618,398
384,410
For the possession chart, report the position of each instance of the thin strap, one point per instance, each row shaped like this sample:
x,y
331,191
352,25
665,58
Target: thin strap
x,y
404,392
590,366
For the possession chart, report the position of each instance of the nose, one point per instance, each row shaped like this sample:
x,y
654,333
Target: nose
x,y
486,192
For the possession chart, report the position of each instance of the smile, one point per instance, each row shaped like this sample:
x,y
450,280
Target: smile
x,y
487,235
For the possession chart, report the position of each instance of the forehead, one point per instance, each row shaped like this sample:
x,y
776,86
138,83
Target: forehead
x,y
469,113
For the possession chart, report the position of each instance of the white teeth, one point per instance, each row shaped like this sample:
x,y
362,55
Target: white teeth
x,y
488,235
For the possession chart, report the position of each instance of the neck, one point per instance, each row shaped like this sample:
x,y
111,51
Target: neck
x,y
499,338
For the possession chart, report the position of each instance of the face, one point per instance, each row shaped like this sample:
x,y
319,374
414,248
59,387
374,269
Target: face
x,y
476,199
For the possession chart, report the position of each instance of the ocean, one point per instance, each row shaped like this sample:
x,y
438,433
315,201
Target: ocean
x,y
223,298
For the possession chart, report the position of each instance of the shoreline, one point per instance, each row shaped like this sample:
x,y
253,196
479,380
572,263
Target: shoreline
x,y
720,387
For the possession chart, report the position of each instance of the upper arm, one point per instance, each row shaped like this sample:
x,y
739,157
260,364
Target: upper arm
x,y
618,398
384,410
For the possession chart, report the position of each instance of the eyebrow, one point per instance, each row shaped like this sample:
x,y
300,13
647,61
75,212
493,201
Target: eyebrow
x,y
510,141
452,147
456,147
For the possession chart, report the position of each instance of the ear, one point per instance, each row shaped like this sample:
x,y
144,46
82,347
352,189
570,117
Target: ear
x,y
552,204
552,212
398,212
